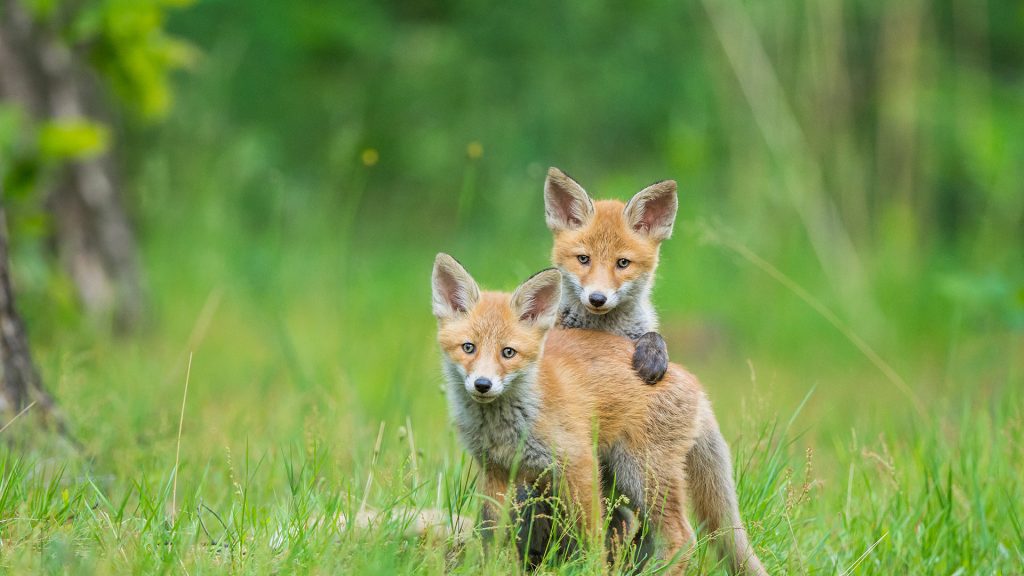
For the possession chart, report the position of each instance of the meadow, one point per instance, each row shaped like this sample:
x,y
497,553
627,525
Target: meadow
x,y
314,389
846,279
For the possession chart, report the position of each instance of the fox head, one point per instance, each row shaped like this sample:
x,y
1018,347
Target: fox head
x,y
491,341
607,251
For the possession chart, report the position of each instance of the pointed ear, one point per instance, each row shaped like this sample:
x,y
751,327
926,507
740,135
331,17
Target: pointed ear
x,y
535,302
455,291
566,204
652,212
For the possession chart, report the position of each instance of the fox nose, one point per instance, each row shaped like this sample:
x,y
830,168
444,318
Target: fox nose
x,y
597,299
482,385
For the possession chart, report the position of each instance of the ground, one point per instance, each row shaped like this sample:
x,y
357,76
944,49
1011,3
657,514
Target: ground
x,y
314,390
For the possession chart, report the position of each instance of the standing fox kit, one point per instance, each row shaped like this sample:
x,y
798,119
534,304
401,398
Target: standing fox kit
x,y
607,253
526,399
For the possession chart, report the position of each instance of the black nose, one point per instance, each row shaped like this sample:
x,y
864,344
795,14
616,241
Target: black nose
x,y
597,299
482,385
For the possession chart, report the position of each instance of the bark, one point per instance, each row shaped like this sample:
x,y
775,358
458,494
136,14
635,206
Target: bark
x,y
92,236
19,380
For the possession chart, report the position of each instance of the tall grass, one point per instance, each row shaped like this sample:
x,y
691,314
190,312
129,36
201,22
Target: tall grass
x,y
317,158
941,499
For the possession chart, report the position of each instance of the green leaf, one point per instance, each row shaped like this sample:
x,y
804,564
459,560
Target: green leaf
x,y
77,138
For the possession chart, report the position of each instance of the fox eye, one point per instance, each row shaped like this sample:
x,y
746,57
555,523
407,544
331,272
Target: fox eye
x,y
469,347
583,258
623,263
508,352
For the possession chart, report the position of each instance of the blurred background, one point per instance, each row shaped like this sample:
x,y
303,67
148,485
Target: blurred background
x,y
265,184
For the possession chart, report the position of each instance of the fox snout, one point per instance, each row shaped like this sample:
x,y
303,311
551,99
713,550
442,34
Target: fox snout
x,y
600,300
483,388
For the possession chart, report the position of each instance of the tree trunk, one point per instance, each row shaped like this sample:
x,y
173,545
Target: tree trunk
x,y
19,381
93,238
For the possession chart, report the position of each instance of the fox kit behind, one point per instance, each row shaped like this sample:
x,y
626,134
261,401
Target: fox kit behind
x,y
607,253
526,399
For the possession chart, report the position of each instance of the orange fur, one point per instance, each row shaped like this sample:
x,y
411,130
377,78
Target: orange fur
x,y
587,386
541,403
605,238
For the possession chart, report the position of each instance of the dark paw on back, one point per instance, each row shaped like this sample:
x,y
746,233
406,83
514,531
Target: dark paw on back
x,y
650,359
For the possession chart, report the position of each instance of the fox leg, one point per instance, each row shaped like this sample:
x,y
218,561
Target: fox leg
x,y
533,519
623,472
620,526
669,517
580,480
643,543
495,489
539,531
650,357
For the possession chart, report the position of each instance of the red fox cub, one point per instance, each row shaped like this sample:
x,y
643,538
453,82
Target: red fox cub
x,y
607,253
525,398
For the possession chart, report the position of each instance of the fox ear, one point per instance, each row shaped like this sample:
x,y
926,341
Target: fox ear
x,y
535,302
566,204
652,212
455,291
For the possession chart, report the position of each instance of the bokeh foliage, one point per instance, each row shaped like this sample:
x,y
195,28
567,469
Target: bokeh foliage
x,y
873,151
317,156
123,44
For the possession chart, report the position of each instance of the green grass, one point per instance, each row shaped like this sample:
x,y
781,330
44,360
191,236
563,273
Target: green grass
x,y
295,273
303,351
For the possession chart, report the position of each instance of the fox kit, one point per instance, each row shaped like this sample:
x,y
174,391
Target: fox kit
x,y
607,252
525,399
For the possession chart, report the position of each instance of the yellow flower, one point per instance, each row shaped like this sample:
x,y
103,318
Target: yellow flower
x,y
474,150
370,156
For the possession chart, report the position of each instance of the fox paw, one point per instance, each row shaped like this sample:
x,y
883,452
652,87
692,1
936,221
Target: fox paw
x,y
650,359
